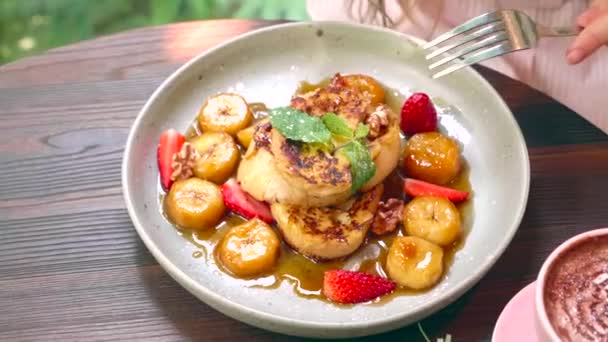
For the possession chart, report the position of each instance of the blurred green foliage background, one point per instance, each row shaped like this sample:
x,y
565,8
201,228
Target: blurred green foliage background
x,y
30,26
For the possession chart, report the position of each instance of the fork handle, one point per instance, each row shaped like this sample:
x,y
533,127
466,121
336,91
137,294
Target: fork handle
x,y
559,31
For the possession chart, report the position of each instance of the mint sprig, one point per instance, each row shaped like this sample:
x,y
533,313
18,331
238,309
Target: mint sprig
x,y
362,131
337,125
299,126
362,166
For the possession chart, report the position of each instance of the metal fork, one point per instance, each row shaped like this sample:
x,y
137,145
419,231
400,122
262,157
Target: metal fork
x,y
487,36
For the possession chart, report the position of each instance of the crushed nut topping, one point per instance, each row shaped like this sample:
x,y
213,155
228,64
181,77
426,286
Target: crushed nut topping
x,y
261,135
183,162
378,121
388,216
337,98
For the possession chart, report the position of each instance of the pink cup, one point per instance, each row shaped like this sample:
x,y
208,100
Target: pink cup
x,y
544,329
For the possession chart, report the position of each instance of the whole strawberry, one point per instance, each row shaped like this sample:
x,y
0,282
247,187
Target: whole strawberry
x,y
350,287
418,115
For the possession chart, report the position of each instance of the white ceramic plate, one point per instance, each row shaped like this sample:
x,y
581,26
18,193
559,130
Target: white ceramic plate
x,y
266,66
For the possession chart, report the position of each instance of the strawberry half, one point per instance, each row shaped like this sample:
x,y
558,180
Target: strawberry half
x,y
243,203
414,188
418,115
350,287
171,142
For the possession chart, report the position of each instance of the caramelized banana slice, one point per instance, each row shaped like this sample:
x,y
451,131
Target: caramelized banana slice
x,y
414,263
227,113
249,249
324,233
367,85
435,219
432,157
218,156
245,136
194,204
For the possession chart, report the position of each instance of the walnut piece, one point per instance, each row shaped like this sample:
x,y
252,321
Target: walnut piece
x,y
378,122
183,162
388,216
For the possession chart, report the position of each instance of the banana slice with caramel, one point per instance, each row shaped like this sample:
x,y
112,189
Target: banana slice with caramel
x,y
227,113
366,85
432,157
245,136
194,203
249,249
435,219
218,156
414,263
323,233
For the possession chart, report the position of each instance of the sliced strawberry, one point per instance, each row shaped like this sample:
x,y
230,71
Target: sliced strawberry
x,y
243,203
350,287
414,188
418,115
171,142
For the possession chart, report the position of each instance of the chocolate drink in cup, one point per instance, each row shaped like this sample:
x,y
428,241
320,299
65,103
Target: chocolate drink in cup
x,y
576,291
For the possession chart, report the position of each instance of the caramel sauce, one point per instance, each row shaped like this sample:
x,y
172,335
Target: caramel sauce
x,y
305,275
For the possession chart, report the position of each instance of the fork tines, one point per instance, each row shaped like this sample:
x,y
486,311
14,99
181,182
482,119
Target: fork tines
x,y
478,39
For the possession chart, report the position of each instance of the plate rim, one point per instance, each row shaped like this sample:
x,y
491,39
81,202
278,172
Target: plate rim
x,y
282,324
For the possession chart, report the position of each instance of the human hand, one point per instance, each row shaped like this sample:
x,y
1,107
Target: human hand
x,y
594,34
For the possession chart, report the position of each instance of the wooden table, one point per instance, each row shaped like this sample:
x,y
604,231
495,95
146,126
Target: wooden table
x,y
71,265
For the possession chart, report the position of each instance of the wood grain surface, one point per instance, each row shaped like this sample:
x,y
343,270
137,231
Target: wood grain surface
x,y
71,265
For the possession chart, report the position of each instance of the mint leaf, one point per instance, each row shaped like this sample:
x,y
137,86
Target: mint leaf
x,y
362,131
297,125
337,125
362,167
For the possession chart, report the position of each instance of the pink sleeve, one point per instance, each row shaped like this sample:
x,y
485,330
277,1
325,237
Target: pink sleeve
x,y
580,87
